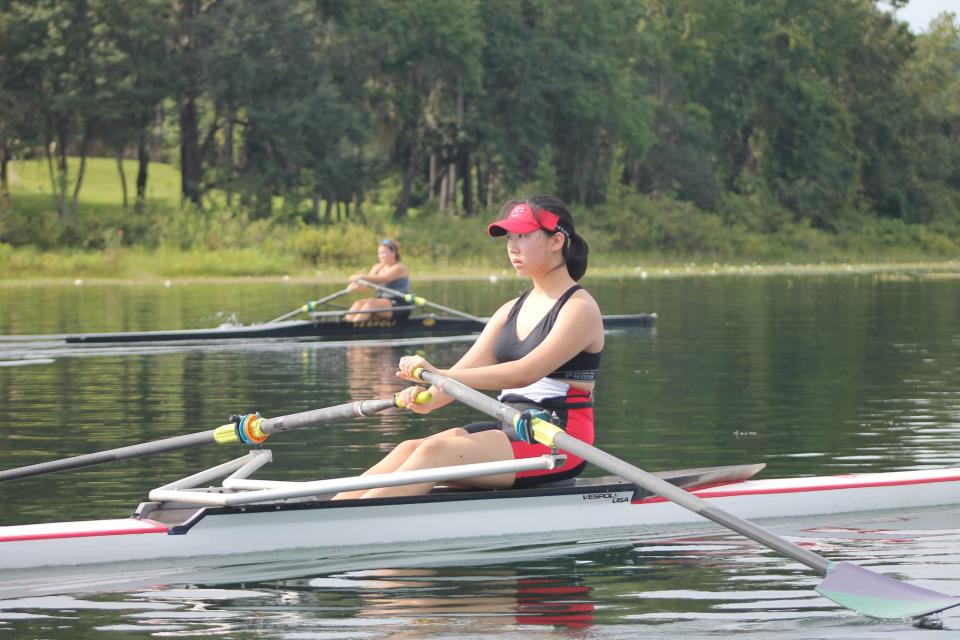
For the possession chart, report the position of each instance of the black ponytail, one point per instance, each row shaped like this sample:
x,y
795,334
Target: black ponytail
x,y
575,249
575,253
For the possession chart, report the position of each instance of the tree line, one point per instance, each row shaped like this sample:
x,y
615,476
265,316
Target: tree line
x,y
822,110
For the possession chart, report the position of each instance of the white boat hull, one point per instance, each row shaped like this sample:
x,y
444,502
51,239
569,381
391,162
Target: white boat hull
x,y
266,529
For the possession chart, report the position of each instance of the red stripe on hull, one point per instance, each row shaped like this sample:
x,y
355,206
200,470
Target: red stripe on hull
x,y
87,533
757,491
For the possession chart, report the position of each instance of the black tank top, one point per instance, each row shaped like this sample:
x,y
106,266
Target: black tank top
x,y
509,347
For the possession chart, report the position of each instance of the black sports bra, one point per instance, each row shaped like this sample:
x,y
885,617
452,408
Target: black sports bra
x,y
509,347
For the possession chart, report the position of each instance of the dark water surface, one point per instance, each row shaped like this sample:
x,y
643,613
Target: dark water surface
x,y
811,375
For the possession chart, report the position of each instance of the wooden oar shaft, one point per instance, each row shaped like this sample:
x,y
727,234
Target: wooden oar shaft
x,y
307,306
557,437
409,297
267,426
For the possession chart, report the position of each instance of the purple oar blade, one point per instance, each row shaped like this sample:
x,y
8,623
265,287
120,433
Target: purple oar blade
x,y
878,596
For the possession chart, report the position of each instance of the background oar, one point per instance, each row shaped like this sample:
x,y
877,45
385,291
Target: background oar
x,y
409,297
310,306
855,587
249,429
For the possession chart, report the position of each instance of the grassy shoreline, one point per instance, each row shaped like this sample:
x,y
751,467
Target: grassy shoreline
x,y
631,235
947,269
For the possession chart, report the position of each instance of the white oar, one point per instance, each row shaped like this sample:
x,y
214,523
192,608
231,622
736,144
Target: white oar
x,y
850,585
249,429
417,300
310,306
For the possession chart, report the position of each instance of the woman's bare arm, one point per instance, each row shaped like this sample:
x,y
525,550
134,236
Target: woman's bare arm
x,y
579,327
481,353
383,275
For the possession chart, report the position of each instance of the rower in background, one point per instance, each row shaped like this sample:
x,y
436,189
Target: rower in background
x,y
389,272
541,350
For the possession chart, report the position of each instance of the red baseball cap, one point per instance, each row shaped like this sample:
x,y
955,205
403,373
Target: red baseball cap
x,y
522,219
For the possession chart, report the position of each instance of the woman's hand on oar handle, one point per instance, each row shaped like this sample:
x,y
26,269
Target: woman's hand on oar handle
x,y
409,369
410,365
416,399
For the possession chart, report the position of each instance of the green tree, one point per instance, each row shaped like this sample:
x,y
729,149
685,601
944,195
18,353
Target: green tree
x,y
11,112
917,176
428,63
672,56
57,51
274,74
192,30
135,79
559,74
798,95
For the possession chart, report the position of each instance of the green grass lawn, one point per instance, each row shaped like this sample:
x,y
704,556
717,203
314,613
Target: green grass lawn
x,y
101,182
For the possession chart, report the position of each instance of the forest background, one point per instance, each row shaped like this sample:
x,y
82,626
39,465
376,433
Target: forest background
x,y
167,138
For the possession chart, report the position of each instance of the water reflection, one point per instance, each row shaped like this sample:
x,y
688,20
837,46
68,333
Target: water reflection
x,y
497,596
370,372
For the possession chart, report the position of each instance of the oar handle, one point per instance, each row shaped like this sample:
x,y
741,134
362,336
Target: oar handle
x,y
422,398
417,300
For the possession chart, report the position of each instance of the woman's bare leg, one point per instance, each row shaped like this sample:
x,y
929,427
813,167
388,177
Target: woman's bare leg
x,y
388,464
359,305
356,317
455,447
380,303
392,461
368,304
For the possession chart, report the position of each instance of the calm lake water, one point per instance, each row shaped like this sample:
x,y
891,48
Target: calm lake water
x,y
808,374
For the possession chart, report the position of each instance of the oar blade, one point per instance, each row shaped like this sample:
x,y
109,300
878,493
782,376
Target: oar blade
x,y
878,596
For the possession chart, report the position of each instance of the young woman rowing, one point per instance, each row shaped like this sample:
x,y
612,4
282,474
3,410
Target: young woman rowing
x,y
388,272
541,350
